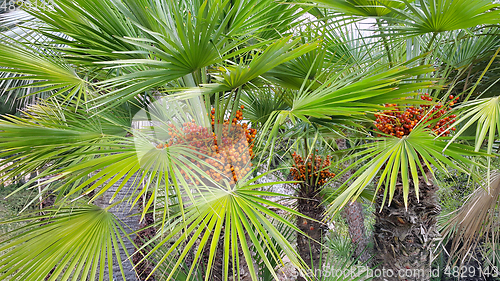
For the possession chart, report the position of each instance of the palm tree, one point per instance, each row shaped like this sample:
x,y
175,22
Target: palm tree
x,y
81,91
403,166
473,224
99,64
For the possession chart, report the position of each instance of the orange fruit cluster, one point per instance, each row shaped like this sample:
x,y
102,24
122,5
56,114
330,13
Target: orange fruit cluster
x,y
399,123
314,169
228,159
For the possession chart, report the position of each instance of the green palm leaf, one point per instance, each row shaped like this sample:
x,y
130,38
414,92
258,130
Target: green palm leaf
x,y
366,8
71,244
394,160
435,16
51,136
46,73
485,113
469,46
238,218
346,99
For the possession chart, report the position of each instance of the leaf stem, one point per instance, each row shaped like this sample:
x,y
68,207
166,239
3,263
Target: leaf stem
x,y
427,50
430,42
482,74
429,45
386,45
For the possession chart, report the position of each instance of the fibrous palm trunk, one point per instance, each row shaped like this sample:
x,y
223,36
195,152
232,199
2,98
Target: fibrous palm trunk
x,y
404,238
310,250
353,214
355,218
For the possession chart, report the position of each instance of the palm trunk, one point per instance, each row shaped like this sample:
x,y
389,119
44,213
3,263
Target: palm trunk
x,y
404,238
217,271
353,214
130,223
310,250
146,266
355,219
313,172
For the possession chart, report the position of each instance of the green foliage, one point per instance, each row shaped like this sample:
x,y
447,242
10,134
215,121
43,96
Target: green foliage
x,y
434,16
453,188
12,206
95,64
81,239
339,261
367,8
413,156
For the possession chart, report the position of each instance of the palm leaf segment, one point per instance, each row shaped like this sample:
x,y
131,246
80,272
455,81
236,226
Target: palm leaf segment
x,y
401,161
71,244
434,16
486,113
348,99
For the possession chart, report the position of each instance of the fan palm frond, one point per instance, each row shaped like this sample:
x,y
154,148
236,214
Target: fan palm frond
x,y
70,244
402,161
435,16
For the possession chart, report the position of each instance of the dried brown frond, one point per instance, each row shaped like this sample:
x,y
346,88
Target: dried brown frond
x,y
477,220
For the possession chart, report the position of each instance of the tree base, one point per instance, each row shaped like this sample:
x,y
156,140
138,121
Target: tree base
x,y
404,238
